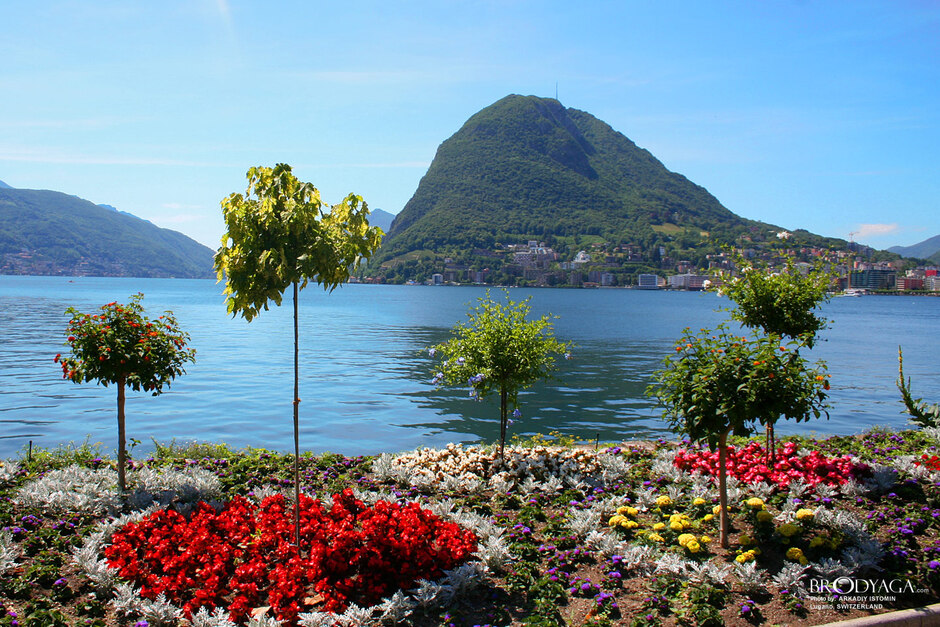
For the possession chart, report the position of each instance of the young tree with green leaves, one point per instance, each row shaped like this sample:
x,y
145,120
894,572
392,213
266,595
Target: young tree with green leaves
x,y
279,234
922,414
778,303
721,383
121,346
498,350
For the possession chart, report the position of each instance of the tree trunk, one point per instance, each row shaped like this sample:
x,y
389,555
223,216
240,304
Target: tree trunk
x,y
296,427
122,449
771,445
503,419
723,489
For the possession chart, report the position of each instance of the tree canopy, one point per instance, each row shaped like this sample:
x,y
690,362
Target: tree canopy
x,y
280,232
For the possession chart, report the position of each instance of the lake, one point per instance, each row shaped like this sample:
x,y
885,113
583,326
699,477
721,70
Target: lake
x,y
365,374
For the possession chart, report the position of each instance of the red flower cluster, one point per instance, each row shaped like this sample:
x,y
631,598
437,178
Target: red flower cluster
x,y
932,462
750,464
243,556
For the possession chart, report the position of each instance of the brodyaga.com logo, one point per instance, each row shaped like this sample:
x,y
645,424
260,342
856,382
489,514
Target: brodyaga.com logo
x,y
847,593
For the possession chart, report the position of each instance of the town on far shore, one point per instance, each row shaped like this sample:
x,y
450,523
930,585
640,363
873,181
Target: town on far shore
x,y
857,268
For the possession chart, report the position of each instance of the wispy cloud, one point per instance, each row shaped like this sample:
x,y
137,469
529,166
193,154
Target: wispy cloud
x,y
875,230
37,156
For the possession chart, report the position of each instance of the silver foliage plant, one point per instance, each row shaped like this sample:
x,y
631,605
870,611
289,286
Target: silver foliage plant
x,y
8,552
8,471
76,489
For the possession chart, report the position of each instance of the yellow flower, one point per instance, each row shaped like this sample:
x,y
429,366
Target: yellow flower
x,y
755,503
693,546
764,516
663,501
745,540
705,540
789,530
796,555
655,537
615,520
676,526
629,524
716,510
659,526
685,538
708,517
698,501
818,541
805,514
747,556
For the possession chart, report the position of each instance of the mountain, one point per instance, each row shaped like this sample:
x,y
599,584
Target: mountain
x,y
381,219
923,250
46,232
526,168
4,185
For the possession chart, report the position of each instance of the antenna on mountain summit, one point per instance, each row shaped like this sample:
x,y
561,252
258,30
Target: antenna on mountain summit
x,y
556,90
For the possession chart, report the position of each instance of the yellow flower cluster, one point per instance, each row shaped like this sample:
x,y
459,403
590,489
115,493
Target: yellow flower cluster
x,y
755,503
679,522
745,540
692,544
796,555
655,537
819,541
805,514
747,556
698,501
788,530
626,510
664,501
764,516
623,522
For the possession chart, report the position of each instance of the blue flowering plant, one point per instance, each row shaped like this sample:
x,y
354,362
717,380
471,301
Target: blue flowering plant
x,y
499,350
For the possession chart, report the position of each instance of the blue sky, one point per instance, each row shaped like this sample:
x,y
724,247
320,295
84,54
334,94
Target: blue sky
x,y
816,115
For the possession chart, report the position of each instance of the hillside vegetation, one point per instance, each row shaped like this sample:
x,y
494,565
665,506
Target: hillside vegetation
x,y
526,168
47,232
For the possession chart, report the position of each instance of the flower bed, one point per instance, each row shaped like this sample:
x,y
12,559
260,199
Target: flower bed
x,y
750,464
243,556
622,537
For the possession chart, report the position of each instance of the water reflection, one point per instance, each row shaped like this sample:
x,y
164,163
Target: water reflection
x,y
366,376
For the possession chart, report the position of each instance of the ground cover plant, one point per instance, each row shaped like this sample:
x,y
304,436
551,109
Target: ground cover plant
x,y
559,534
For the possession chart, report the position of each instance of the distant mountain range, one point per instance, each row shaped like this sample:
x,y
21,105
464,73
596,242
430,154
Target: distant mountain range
x,y
528,169
927,249
4,185
381,219
47,232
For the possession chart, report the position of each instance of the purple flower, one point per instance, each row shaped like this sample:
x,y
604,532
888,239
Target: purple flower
x,y
516,414
432,352
933,565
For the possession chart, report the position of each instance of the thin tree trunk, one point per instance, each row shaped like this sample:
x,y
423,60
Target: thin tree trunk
x,y
296,427
503,418
122,449
771,444
723,488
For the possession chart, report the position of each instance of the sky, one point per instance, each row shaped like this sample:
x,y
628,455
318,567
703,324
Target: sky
x,y
815,115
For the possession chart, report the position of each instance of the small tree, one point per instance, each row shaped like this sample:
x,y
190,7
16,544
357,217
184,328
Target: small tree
x,y
922,414
278,235
121,346
778,303
499,350
720,383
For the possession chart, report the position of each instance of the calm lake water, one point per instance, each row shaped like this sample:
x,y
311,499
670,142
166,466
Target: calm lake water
x,y
365,375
